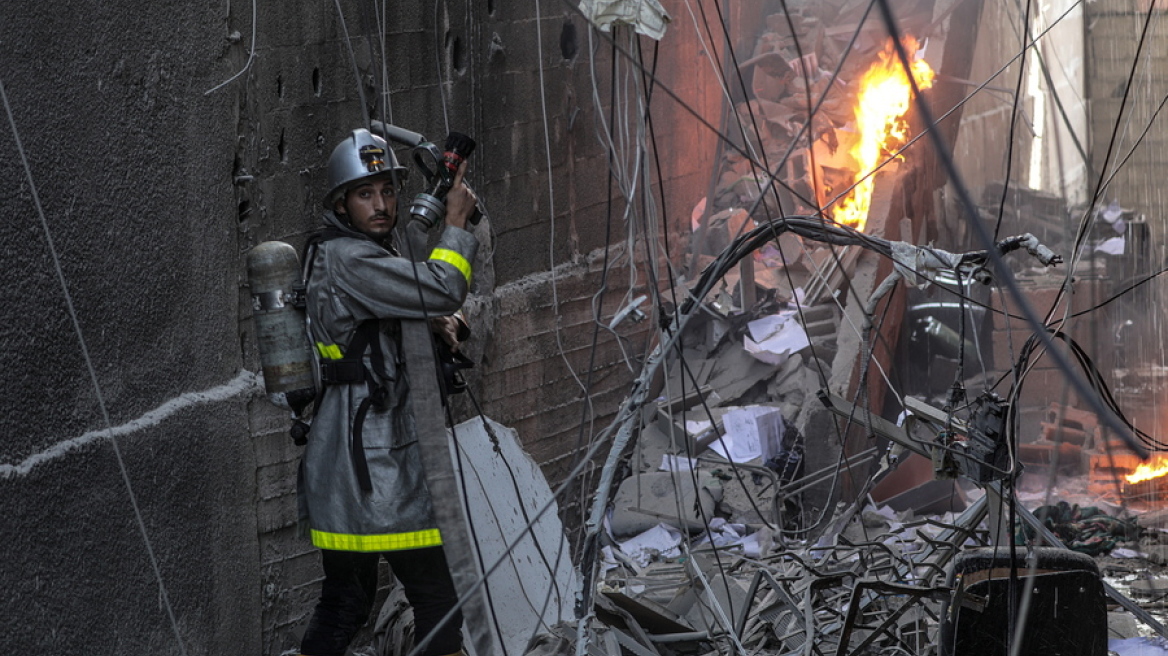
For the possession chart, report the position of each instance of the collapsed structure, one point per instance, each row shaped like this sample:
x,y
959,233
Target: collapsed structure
x,y
711,542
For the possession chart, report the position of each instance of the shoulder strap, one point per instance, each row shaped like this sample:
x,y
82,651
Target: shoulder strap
x,y
366,336
317,238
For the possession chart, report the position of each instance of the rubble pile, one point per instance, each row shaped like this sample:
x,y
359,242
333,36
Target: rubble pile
x,y
705,545
708,547
876,582
708,550
861,591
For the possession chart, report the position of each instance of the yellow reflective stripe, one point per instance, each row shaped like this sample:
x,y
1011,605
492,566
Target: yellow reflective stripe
x,y
454,259
384,542
329,351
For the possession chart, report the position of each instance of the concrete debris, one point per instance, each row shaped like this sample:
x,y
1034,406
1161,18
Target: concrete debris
x,y
685,499
708,554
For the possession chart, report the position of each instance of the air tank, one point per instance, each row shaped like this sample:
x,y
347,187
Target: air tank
x,y
273,273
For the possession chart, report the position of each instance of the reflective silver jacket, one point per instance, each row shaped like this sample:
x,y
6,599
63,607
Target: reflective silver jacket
x,y
354,280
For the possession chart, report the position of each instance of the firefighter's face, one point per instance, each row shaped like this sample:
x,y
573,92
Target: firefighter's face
x,y
371,207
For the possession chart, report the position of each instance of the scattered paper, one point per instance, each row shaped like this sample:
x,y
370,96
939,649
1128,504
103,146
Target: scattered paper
x,y
723,534
764,327
750,546
775,337
745,429
696,427
662,540
1113,246
607,561
884,511
1113,215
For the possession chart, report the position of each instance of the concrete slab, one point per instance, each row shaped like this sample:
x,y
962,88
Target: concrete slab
x,y
645,500
535,584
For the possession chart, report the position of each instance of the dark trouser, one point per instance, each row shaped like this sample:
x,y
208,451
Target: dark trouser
x,y
350,583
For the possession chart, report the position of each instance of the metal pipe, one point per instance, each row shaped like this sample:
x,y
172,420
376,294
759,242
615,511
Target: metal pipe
x,y
680,637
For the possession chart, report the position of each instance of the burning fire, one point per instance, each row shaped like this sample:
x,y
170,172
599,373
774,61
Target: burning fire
x,y
1146,471
885,96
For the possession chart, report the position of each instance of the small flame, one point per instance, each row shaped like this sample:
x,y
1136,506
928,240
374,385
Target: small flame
x,y
884,99
1146,471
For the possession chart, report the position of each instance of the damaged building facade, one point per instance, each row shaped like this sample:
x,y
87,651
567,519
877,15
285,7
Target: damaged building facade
x,y
712,457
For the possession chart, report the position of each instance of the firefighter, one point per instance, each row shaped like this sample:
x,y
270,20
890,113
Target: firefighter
x,y
362,493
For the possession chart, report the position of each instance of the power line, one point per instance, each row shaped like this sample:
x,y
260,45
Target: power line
x,y
1013,126
250,54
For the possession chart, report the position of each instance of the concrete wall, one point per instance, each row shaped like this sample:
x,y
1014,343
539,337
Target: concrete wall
x,y
982,146
132,167
154,190
1063,169
1134,158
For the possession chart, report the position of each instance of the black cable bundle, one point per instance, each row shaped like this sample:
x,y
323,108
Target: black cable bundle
x,y
810,227
1094,379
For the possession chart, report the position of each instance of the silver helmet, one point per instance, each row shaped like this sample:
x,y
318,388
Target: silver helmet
x,y
361,155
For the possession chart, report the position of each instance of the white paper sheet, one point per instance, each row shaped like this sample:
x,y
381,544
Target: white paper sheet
x,y
774,338
662,539
1113,246
743,437
670,462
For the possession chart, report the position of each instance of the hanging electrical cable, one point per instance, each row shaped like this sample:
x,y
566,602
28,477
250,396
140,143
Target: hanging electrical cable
x,y
1011,284
1097,192
353,61
250,53
586,385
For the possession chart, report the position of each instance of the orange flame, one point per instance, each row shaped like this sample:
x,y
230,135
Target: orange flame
x,y
1146,471
884,99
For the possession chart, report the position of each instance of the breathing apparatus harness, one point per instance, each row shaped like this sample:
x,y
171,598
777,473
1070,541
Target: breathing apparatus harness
x,y
359,157
350,368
